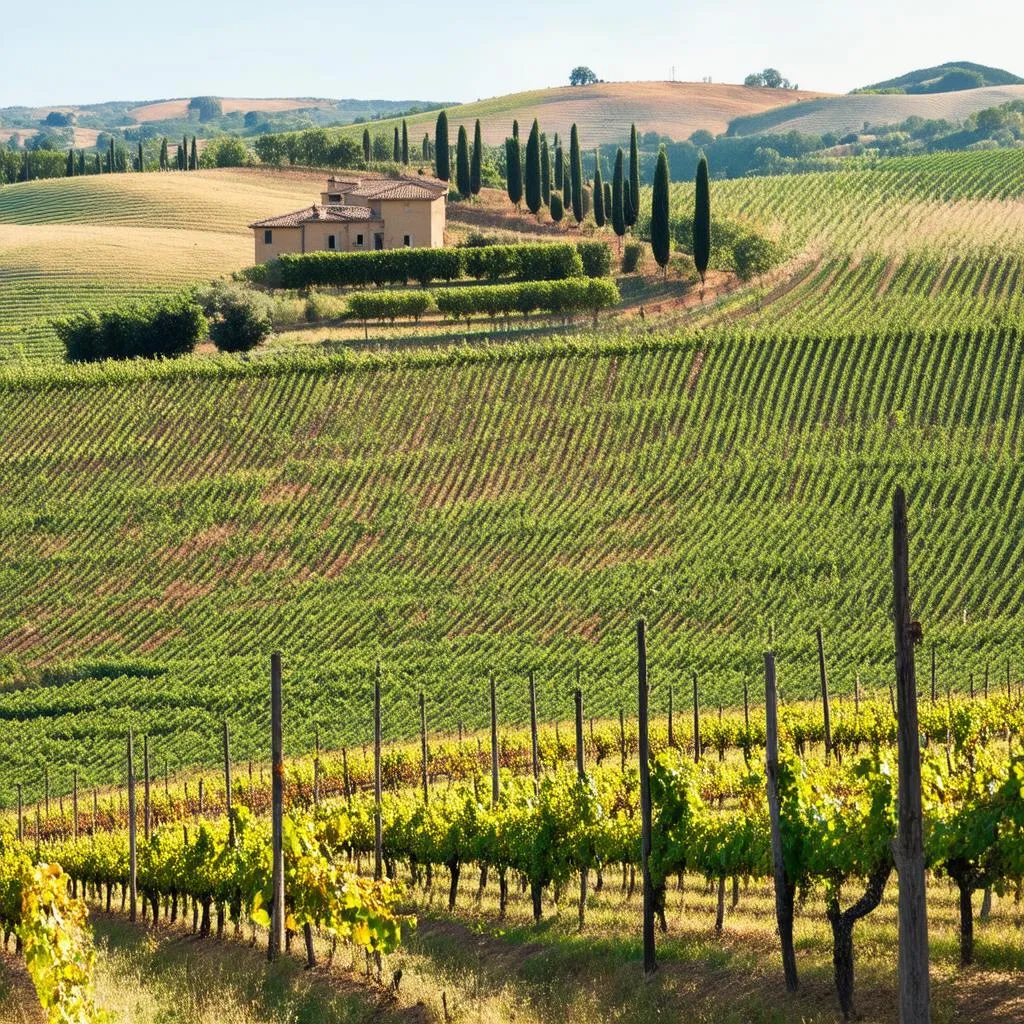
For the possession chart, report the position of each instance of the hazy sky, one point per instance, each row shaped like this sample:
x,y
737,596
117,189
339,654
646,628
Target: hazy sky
x,y
69,51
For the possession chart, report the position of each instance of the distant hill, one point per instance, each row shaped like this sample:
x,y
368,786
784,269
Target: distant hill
x,y
843,115
953,77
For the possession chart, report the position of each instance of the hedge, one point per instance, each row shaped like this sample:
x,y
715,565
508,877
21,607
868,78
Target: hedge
x,y
527,262
385,305
168,327
575,295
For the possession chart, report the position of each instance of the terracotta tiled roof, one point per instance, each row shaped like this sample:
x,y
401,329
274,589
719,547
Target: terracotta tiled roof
x,y
400,188
316,213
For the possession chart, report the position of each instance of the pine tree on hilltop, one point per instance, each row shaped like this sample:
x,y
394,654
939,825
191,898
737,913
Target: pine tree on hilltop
x,y
633,209
619,198
476,164
462,175
702,222
599,214
514,170
532,183
442,154
661,239
194,158
545,171
405,142
576,174
366,145
396,149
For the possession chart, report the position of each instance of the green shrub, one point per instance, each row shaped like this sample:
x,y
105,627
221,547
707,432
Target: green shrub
x,y
320,307
596,257
167,328
573,295
632,253
754,255
557,207
384,305
527,262
243,322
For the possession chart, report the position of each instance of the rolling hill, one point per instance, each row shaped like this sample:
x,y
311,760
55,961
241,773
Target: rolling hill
x,y
961,74
605,111
843,115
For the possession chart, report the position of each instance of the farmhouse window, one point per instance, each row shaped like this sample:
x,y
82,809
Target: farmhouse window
x,y
407,240
359,239
268,236
334,198
330,242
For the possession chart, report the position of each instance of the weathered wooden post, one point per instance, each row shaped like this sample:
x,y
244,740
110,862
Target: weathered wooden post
x,y
133,891
227,784
534,749
424,754
145,788
494,743
784,890
276,940
824,697
650,964
671,730
581,773
74,803
696,722
378,837
914,994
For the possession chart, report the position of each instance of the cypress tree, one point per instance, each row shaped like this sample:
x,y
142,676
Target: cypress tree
x,y
405,142
26,170
426,147
545,170
70,169
532,183
163,154
442,153
607,201
557,209
618,198
576,174
142,161
396,149
599,214
660,237
462,175
633,209
514,170
626,197
559,166
702,222
476,163
81,161
566,186
110,157
184,153
366,145
98,168
194,160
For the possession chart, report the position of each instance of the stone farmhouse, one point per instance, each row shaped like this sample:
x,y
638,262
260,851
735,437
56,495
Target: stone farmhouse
x,y
359,214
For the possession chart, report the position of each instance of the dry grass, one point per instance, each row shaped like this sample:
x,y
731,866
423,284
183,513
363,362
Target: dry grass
x,y
178,109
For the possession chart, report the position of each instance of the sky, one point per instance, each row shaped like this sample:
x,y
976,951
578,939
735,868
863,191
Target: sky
x,y
72,52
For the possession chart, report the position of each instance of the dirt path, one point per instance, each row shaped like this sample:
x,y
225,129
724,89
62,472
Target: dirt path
x,y
19,1003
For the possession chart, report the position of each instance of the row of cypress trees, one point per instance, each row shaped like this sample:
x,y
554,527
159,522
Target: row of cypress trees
x,y
661,237
468,163
116,159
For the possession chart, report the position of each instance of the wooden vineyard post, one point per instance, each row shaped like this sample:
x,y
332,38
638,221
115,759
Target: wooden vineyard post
x,y
696,722
424,754
276,940
581,773
316,765
914,995
378,838
535,752
933,671
146,812
21,819
824,697
74,804
645,798
227,784
784,890
133,891
671,731
494,744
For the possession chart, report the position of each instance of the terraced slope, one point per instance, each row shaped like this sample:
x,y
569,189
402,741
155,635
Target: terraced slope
x,y
69,243
166,528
